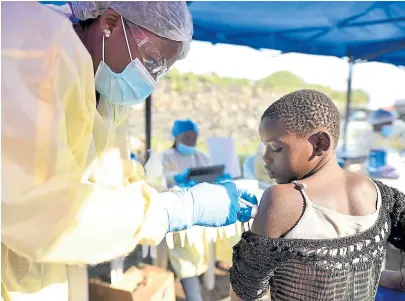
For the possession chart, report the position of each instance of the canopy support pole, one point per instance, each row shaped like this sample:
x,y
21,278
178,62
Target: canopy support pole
x,y
348,103
148,126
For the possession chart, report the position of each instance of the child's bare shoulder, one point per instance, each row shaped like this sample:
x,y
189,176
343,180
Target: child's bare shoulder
x,y
361,193
358,183
360,187
280,208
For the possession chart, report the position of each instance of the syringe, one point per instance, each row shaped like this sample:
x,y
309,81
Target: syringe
x,y
255,208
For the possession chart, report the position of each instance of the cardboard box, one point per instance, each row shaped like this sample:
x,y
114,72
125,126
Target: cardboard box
x,y
149,283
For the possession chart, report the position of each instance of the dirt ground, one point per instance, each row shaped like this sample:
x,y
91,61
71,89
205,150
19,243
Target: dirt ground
x,y
219,293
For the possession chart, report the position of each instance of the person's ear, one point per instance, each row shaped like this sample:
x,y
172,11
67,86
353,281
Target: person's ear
x,y
321,143
108,21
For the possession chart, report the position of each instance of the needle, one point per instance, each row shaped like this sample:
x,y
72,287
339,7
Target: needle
x,y
246,203
255,208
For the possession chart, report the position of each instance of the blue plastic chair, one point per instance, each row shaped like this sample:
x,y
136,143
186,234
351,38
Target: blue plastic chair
x,y
386,294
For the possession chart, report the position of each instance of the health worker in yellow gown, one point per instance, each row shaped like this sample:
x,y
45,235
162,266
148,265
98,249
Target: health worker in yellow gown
x,y
70,193
189,257
189,260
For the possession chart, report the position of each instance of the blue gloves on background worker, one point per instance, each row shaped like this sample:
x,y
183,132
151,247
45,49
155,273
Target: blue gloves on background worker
x,y
187,184
181,177
224,177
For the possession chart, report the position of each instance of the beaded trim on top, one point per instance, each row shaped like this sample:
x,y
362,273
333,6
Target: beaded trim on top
x,y
319,269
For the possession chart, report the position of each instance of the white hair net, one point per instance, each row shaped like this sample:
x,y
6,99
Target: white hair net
x,y
167,19
382,116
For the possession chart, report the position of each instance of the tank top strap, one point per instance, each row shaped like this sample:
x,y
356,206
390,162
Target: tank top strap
x,y
301,187
379,199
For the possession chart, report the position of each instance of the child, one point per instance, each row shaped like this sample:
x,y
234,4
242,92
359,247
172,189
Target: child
x,y
321,233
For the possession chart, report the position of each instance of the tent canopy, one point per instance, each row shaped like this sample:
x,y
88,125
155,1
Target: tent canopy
x,y
363,30
373,31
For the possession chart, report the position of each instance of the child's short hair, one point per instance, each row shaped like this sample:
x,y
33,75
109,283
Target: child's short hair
x,y
304,111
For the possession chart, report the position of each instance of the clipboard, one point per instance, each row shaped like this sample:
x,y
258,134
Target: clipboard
x,y
207,174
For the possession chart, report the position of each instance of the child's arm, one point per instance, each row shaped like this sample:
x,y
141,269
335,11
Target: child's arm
x,y
234,297
280,209
278,213
393,279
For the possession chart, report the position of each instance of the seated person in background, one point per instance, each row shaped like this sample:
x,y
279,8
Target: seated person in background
x,y
387,132
387,136
400,108
191,261
183,155
321,233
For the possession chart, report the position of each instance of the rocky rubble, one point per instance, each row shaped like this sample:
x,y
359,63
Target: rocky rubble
x,y
219,110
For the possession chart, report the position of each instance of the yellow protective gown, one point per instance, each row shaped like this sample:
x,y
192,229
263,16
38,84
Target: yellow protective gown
x,y
189,252
67,195
188,257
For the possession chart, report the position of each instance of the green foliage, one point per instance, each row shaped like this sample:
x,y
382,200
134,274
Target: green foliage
x,y
281,81
359,97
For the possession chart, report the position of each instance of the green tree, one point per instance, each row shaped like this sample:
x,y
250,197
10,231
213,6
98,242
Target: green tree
x,y
360,97
282,80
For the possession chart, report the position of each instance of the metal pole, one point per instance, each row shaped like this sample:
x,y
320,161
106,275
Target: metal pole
x,y
348,101
148,125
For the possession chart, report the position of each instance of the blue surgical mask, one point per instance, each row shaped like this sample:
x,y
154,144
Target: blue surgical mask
x,y
130,87
387,131
185,149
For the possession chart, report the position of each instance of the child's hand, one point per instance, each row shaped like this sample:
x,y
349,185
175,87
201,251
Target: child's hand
x,y
392,279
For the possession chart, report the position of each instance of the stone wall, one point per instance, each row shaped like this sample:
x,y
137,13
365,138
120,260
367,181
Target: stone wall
x,y
219,111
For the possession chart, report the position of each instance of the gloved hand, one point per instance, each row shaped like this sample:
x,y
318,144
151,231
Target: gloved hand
x,y
181,177
187,184
223,177
205,205
247,202
246,211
